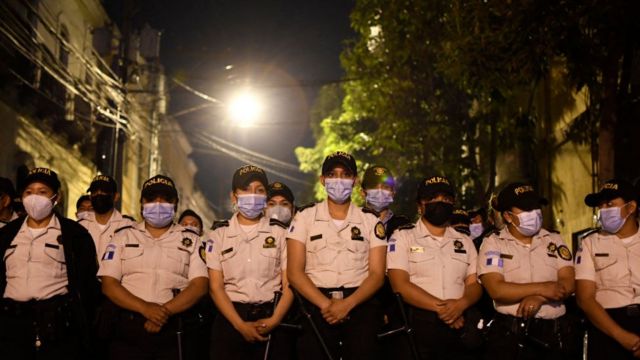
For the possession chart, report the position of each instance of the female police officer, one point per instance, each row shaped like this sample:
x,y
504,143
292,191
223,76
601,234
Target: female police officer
x,y
337,262
246,256
528,273
152,271
608,274
433,267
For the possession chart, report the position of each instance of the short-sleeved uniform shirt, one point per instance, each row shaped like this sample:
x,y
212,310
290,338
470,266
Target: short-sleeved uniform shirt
x,y
151,268
614,265
438,265
102,234
35,263
522,264
251,263
337,256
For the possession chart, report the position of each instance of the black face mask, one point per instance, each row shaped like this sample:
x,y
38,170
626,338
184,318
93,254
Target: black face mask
x,y
437,213
102,203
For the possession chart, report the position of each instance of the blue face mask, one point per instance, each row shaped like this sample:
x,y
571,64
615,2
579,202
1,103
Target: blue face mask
x,y
530,222
476,230
339,190
251,205
379,199
158,214
611,220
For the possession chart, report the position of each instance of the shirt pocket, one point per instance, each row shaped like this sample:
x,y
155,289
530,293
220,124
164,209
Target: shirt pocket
x,y
420,263
358,252
269,262
459,267
55,258
607,271
132,259
318,253
178,260
8,261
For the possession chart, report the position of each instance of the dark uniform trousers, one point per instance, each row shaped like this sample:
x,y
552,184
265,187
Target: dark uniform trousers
x,y
601,346
38,330
228,343
510,337
355,338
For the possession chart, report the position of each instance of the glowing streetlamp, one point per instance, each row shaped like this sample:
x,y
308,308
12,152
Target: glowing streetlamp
x,y
244,109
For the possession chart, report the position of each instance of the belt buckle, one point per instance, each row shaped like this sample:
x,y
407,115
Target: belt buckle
x,y
338,295
633,310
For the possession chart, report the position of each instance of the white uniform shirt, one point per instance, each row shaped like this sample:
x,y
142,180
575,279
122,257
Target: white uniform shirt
x,y
614,265
252,263
36,268
337,256
102,234
521,264
438,265
150,268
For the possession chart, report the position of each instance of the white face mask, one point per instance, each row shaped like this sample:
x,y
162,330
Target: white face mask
x,y
339,190
279,212
530,222
476,230
83,215
38,207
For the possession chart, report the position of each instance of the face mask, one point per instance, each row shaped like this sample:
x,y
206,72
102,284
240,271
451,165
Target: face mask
x,y
611,220
339,190
437,213
38,207
102,203
530,222
195,229
379,199
475,230
251,205
83,215
279,212
158,214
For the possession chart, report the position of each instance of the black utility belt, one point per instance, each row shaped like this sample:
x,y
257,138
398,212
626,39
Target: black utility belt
x,y
51,304
632,311
253,311
338,293
517,324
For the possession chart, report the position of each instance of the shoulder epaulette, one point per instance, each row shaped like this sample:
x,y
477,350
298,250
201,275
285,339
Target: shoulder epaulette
x,y
406,227
219,224
128,217
190,231
277,223
307,206
590,232
370,211
553,231
122,228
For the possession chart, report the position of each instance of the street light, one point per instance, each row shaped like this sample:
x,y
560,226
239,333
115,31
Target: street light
x,y
245,109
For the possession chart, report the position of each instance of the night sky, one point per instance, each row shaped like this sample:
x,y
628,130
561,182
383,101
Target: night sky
x,y
285,50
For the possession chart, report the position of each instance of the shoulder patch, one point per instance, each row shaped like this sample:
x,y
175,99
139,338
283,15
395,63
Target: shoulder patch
x,y
123,228
277,222
219,224
380,231
129,217
307,206
190,231
565,253
367,210
408,226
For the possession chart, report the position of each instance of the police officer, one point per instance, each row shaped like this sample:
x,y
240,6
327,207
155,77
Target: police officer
x,y
608,274
433,267
105,219
152,271
189,219
280,203
460,221
247,262
83,207
528,272
379,189
47,278
7,195
337,263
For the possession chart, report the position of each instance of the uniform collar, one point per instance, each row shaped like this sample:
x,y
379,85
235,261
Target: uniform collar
x,y
323,213
54,223
535,242
235,229
423,232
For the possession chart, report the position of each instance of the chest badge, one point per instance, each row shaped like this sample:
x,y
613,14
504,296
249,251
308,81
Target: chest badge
x,y
269,242
186,242
356,234
551,250
564,252
458,247
380,231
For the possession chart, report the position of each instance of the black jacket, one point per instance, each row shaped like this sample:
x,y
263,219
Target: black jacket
x,y
82,267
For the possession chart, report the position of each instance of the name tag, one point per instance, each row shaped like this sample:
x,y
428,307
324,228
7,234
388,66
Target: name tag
x,y
132,245
506,256
226,251
316,237
601,254
416,249
53,246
